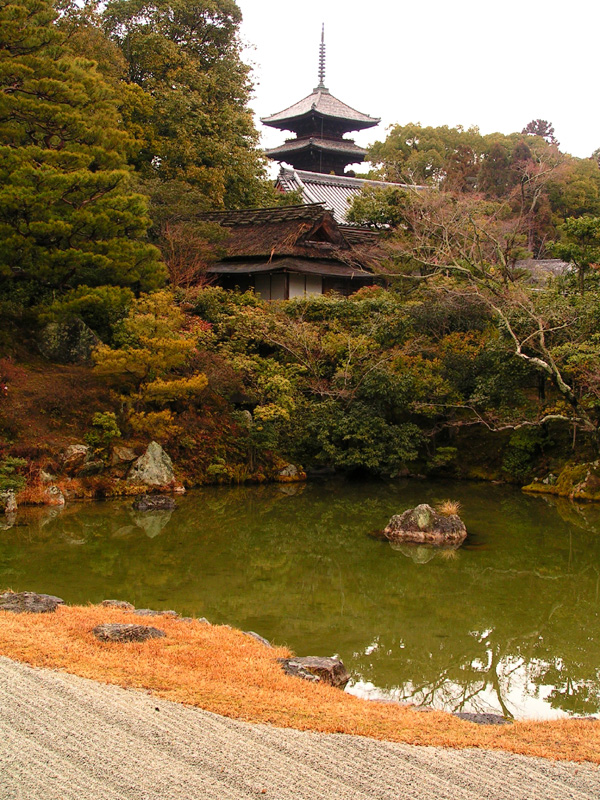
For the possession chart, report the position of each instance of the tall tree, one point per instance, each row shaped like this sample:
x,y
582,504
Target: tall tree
x,y
200,137
543,128
442,156
67,212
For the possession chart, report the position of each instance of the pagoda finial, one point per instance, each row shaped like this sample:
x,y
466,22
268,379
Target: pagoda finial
x,y
321,84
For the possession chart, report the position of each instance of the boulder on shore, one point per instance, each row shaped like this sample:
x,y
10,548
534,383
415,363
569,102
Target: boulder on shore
x,y
53,496
122,604
154,468
290,474
29,602
8,501
74,458
424,525
316,669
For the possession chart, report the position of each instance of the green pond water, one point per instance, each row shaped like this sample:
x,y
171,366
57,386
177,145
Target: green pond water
x,y
508,623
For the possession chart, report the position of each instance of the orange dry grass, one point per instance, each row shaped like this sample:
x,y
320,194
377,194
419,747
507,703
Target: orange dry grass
x,y
449,508
225,671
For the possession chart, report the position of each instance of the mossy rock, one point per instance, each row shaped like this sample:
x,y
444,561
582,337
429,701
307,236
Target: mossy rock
x,y
576,481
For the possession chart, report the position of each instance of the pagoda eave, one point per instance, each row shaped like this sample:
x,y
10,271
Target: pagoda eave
x,y
347,150
343,125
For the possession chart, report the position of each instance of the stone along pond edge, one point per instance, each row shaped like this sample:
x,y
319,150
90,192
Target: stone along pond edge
x,y
314,669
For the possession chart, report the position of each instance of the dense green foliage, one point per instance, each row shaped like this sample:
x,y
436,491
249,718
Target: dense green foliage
x,y
68,215
525,173
101,160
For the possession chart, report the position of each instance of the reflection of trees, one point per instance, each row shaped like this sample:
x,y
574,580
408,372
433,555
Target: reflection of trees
x,y
519,605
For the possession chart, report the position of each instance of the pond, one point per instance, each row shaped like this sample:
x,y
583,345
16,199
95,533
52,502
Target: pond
x,y
509,623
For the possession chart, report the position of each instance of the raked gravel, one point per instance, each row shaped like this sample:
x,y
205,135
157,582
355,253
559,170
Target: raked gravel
x,y
68,738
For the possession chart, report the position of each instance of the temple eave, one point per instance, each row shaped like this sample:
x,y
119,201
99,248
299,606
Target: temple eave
x,y
357,153
293,123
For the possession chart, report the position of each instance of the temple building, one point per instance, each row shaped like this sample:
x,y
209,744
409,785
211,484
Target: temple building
x,y
319,154
291,251
295,251
320,121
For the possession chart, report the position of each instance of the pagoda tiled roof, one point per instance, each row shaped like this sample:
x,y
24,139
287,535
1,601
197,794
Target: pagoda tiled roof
x,y
344,146
336,192
322,103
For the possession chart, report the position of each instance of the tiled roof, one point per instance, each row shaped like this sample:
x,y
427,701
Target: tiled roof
x,y
325,145
543,269
336,192
325,104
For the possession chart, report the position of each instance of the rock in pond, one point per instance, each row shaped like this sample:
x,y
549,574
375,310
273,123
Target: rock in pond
x,y
424,525
316,669
154,503
154,468
117,632
29,602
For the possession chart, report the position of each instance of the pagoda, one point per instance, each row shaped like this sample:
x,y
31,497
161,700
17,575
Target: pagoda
x,y
320,122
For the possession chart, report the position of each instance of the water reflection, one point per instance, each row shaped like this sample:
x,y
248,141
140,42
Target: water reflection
x,y
507,623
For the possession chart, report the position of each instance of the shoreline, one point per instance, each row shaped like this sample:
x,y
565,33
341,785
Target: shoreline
x,y
223,670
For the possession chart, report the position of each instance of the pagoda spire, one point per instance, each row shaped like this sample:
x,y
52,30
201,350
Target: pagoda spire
x,y
319,122
321,84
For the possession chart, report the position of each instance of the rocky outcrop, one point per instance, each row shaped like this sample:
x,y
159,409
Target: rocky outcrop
x,y
74,458
154,468
154,503
575,481
122,455
316,669
118,632
424,525
8,502
29,602
290,474
53,496
69,342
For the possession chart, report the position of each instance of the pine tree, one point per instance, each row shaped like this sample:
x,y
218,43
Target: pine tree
x,y
68,216
201,140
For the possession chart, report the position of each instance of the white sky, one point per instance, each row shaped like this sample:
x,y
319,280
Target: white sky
x,y
466,62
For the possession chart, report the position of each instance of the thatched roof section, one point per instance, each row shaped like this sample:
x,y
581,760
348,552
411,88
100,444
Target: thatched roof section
x,y
303,231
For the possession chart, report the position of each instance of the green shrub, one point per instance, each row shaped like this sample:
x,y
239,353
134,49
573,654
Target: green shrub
x,y
104,431
524,447
9,477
